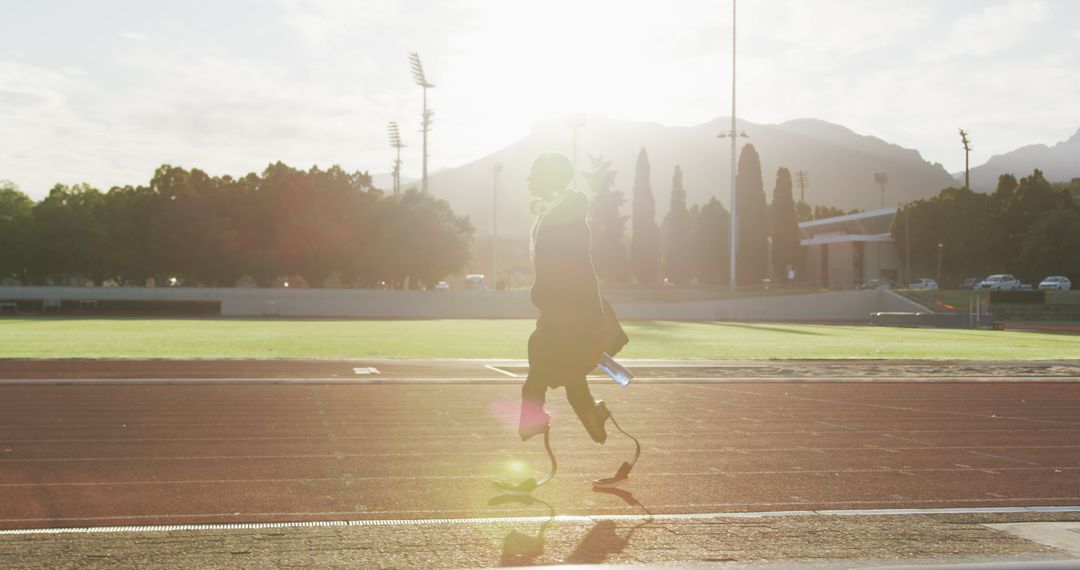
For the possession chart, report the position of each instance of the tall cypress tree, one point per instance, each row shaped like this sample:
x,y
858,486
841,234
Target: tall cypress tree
x,y
645,240
712,236
607,224
785,227
752,258
678,243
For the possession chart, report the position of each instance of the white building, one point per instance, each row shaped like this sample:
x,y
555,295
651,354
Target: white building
x,y
846,251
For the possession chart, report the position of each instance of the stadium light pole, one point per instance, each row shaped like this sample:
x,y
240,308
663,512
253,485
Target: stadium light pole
x,y
940,246
734,246
967,154
882,178
425,122
395,143
496,170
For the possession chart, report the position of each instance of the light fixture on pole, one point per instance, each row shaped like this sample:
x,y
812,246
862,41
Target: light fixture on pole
x,y
395,143
882,178
425,122
496,170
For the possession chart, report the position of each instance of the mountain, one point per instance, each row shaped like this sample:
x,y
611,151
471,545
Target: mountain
x,y
1060,163
840,165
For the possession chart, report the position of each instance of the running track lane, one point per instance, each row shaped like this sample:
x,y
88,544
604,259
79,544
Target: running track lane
x,y
76,455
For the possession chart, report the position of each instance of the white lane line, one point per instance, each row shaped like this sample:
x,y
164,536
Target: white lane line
x,y
463,380
991,455
530,519
365,370
429,454
881,470
494,368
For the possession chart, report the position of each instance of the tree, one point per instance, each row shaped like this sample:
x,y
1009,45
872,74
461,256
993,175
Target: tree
x,y
1021,208
752,256
607,224
786,251
420,240
69,235
965,225
677,233
16,217
712,236
1052,246
645,239
286,223
803,212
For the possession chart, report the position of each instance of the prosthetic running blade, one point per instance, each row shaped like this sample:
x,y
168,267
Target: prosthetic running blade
x,y
623,474
529,485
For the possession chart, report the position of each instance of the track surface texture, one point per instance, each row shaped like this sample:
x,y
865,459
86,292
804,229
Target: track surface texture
x,y
100,454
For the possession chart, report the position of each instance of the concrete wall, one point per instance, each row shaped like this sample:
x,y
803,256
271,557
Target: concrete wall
x,y
380,304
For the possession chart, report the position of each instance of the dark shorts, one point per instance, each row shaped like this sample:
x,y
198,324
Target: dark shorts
x,y
557,355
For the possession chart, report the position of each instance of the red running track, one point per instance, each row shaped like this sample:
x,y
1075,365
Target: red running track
x,y
94,455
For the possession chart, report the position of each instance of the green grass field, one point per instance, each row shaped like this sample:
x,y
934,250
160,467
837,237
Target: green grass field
x,y
270,339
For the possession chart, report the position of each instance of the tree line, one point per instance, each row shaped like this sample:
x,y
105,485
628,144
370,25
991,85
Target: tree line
x,y
692,243
1028,227
315,227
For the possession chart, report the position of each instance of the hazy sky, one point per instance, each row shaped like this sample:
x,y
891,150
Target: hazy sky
x,y
105,91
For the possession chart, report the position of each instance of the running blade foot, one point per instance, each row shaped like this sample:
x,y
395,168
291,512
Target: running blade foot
x,y
526,487
621,476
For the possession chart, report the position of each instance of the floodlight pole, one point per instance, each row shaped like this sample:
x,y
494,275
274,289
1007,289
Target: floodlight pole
x,y
425,123
967,154
496,169
882,178
395,143
939,247
734,245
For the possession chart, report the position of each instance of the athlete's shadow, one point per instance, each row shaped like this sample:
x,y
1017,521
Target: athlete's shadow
x,y
602,542
520,549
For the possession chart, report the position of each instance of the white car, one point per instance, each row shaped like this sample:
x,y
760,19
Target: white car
x,y
924,284
1056,283
442,286
1001,282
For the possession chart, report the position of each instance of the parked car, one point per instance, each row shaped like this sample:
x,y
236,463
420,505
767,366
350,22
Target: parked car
x,y
924,284
970,283
442,286
1056,283
1000,282
876,284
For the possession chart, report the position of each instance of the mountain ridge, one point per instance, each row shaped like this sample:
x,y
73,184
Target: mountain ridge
x,y
841,165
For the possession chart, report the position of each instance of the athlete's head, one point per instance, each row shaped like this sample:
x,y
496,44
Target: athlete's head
x,y
551,173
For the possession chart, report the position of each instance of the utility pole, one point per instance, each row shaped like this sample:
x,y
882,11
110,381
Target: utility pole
x,y
395,143
804,181
967,153
575,122
940,246
907,248
734,249
496,169
425,121
882,178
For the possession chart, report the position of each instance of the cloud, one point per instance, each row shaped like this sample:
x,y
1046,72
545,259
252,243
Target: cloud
x,y
134,36
995,29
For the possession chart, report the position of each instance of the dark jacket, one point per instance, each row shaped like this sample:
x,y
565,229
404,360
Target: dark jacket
x,y
566,290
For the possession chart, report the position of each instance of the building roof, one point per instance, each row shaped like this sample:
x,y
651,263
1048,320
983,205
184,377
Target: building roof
x,y
864,224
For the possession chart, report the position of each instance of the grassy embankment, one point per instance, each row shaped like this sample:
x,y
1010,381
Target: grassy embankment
x,y
467,338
